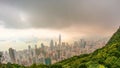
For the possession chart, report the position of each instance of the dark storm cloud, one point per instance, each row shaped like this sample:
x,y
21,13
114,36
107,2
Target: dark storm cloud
x,y
61,13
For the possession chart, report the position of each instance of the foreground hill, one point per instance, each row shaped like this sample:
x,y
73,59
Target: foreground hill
x,y
106,57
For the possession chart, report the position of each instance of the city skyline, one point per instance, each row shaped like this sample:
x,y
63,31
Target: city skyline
x,y
55,52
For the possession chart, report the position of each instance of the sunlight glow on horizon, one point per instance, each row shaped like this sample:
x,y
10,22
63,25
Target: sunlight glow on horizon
x,y
23,17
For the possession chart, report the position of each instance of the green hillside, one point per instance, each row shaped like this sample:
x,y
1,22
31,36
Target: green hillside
x,y
106,57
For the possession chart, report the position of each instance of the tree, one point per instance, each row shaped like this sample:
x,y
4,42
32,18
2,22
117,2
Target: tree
x,y
83,66
1,57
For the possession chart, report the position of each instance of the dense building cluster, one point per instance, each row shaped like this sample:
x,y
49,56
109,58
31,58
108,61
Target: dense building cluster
x,y
56,51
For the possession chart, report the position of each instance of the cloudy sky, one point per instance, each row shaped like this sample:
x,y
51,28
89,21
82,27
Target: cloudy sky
x,y
46,19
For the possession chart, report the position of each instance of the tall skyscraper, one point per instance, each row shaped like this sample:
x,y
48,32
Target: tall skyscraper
x,y
59,50
59,40
82,43
29,49
42,46
43,49
30,54
12,55
36,53
51,45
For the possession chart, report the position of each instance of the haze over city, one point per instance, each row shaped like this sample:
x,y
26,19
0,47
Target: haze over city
x,y
23,21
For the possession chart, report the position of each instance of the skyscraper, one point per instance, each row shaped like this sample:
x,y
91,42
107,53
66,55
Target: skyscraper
x,y
59,50
82,43
47,61
51,45
30,54
1,56
76,44
12,55
36,53
43,49
29,49
56,44
59,40
42,46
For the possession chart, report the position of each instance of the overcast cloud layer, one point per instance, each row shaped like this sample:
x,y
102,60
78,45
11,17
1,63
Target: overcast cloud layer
x,y
59,13
72,16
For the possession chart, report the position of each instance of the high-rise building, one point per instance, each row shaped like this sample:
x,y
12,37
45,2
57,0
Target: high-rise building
x,y
82,43
36,53
59,50
58,55
29,49
12,55
42,46
63,43
30,54
55,44
51,45
76,44
59,40
43,49
1,56
47,61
